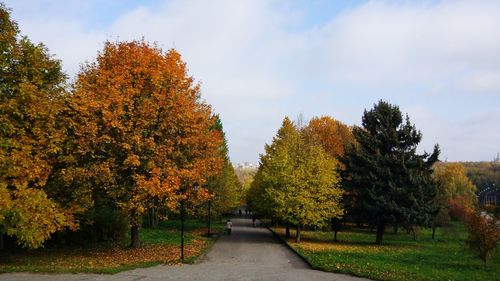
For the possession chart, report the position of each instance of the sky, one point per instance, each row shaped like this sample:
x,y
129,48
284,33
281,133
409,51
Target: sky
x,y
259,61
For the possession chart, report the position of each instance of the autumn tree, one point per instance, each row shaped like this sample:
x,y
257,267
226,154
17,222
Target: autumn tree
x,y
299,180
334,136
484,235
141,130
454,187
245,176
32,87
392,184
224,187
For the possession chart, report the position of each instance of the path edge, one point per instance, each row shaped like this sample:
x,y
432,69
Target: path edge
x,y
292,249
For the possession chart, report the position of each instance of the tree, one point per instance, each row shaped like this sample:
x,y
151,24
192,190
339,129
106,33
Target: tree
x,y
32,87
454,187
483,235
141,131
245,176
331,134
224,186
390,182
299,180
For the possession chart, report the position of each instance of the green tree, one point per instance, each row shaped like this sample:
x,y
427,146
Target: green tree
x,y
299,180
391,183
224,187
32,87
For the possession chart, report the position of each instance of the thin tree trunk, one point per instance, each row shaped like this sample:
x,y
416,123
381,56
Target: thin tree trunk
x,y
155,217
297,236
335,236
380,233
134,236
287,231
433,230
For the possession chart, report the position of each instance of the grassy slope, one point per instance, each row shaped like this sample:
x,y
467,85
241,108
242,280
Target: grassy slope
x,y
400,258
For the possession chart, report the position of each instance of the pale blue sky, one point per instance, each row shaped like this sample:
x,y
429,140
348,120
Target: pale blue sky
x,y
261,60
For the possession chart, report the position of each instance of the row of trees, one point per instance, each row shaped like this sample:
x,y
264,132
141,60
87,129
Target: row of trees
x,y
324,171
131,134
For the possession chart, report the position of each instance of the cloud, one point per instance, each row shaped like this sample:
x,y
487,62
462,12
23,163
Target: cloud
x,y
380,43
261,60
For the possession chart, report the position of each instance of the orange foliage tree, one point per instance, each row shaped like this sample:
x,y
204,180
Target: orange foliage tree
x,y
333,135
484,234
140,129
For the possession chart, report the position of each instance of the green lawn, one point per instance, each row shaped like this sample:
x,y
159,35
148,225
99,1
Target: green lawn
x,y
161,245
400,258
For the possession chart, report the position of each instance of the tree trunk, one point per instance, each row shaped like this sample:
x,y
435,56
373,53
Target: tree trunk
x,y
335,236
380,233
287,231
396,227
433,230
134,236
156,218
297,236
414,233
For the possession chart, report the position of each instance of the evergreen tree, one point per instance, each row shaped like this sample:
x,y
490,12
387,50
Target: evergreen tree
x,y
390,182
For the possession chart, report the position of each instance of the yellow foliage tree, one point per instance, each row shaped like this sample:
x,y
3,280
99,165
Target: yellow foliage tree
x,y
298,180
32,88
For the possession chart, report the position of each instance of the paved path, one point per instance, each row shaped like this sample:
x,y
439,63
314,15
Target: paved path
x,y
249,253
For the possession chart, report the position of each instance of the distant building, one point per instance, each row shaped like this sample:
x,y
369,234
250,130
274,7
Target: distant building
x,y
245,165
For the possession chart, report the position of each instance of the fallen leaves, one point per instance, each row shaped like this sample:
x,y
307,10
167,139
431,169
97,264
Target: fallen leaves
x,y
99,259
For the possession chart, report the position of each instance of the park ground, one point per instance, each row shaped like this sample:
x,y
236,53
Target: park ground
x,y
159,246
399,258
254,253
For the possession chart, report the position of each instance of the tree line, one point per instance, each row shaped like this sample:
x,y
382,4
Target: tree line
x,y
127,139
327,174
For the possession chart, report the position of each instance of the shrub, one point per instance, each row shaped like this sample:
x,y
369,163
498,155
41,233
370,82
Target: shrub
x,y
484,234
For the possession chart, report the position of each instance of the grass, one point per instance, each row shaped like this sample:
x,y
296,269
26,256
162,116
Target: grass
x,y
158,246
399,258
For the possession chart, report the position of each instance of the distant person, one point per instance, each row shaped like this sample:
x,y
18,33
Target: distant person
x,y
229,226
239,212
253,221
246,211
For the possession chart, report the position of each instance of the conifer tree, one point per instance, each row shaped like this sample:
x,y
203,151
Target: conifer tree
x,y
391,183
